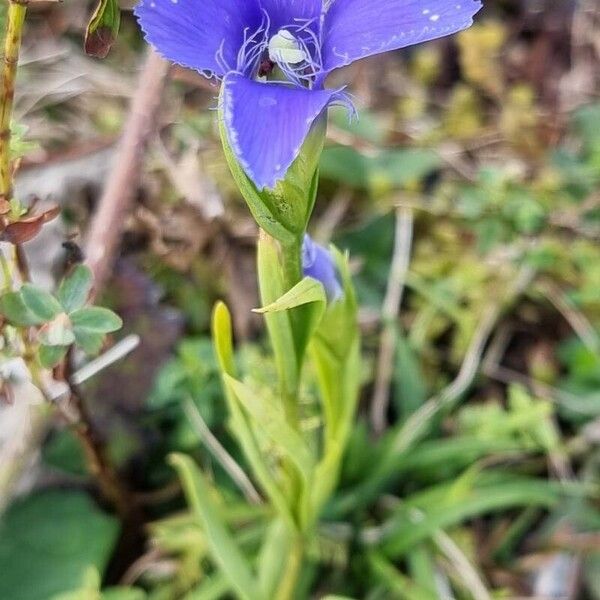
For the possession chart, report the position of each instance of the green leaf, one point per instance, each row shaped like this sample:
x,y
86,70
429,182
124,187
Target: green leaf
x,y
123,593
335,350
268,418
444,507
215,587
49,541
387,170
223,548
103,28
396,582
272,558
95,319
41,303
409,383
75,288
309,291
50,356
89,341
222,337
62,451
280,325
89,588
14,309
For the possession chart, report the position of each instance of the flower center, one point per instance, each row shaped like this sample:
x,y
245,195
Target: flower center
x,y
285,48
293,54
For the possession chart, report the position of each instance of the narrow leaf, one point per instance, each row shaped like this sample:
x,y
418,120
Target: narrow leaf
x,y
268,419
222,335
222,546
307,291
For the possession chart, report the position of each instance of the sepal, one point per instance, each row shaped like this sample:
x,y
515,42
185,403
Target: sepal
x,y
283,211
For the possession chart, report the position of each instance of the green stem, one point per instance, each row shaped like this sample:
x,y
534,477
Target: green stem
x,y
6,272
12,46
291,262
279,270
289,580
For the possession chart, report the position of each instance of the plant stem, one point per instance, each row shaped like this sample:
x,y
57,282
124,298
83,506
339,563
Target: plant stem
x,y
290,576
279,270
97,460
291,263
12,45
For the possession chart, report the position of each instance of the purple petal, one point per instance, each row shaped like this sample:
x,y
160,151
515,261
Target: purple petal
x,y
205,35
354,29
268,122
283,13
318,263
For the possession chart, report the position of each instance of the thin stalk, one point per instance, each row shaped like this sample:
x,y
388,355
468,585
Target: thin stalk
x,y
12,46
291,263
287,586
97,460
279,270
6,272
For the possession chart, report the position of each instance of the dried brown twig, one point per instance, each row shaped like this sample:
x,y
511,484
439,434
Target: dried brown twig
x,y
107,224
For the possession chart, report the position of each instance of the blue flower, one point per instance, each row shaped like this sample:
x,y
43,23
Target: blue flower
x,y
318,263
273,57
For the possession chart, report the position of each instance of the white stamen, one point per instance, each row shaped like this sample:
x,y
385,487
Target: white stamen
x,y
285,48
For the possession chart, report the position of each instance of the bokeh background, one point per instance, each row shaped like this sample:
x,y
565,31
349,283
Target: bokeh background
x,y
468,196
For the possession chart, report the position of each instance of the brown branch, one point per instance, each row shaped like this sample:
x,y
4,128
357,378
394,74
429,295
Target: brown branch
x,y
107,224
96,455
102,244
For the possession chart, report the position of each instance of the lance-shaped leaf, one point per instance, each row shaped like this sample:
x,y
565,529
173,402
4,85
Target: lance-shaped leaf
x,y
223,548
335,350
270,420
103,28
308,292
222,338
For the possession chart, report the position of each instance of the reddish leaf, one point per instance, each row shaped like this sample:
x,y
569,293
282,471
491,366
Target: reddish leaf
x,y
103,28
27,228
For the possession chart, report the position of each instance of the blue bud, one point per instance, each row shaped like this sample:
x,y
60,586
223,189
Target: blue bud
x,y
318,263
